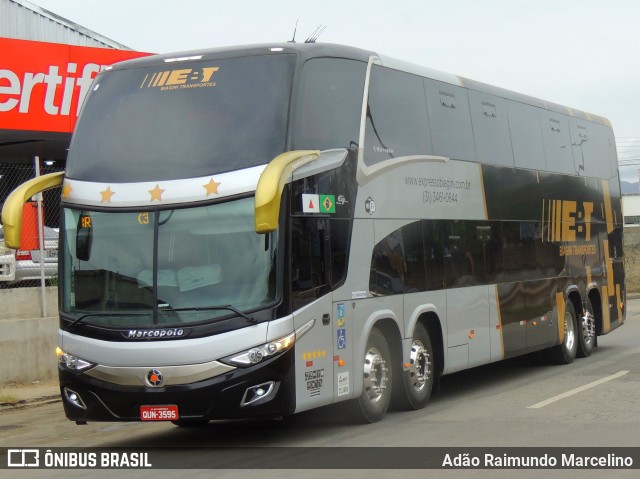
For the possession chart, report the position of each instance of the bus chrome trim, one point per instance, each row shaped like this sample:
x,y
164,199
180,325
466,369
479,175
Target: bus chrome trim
x,y
171,375
12,209
271,184
170,192
363,114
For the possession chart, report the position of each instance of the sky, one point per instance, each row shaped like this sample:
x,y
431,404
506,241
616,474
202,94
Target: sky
x,y
584,54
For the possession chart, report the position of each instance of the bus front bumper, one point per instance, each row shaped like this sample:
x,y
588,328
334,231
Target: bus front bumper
x,y
227,396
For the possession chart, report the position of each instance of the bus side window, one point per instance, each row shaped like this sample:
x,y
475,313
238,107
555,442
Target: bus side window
x,y
396,116
415,277
512,251
433,254
483,245
387,274
459,266
339,233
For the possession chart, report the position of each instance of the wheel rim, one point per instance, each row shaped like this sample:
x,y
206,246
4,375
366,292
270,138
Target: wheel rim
x,y
375,374
569,332
420,365
588,327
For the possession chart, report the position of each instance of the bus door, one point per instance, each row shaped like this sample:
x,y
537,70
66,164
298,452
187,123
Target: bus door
x,y
311,300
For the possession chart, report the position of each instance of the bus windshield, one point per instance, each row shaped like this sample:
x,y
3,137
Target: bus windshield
x,y
183,120
202,263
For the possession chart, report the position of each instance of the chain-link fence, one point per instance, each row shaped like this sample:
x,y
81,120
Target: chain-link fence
x,y
35,264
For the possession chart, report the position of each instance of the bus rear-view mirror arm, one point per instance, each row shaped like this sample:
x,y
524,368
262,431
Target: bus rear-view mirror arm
x,y
12,209
271,184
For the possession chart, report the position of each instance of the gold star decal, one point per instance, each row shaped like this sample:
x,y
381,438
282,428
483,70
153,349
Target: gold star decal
x,y
156,193
211,187
107,194
66,190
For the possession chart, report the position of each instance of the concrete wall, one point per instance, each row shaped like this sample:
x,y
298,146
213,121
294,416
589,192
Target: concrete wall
x,y
27,341
24,303
632,258
27,350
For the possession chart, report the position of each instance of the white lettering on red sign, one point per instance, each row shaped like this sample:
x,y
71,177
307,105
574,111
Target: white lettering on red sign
x,y
19,92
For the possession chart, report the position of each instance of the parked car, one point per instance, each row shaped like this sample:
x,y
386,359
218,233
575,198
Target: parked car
x,y
26,264
7,262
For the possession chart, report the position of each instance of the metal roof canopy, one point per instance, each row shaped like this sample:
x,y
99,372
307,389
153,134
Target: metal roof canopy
x,y
23,20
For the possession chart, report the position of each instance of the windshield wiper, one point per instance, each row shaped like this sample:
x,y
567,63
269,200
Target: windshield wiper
x,y
203,308
86,315
227,307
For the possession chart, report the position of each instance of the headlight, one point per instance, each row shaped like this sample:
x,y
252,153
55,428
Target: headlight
x,y
71,362
274,348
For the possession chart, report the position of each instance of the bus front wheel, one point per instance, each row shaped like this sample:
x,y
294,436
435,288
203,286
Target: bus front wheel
x,y
372,404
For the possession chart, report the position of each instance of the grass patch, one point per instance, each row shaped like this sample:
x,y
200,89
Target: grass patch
x,y
8,398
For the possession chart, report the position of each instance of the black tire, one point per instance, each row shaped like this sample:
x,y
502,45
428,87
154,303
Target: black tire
x,y
565,353
416,385
586,331
373,403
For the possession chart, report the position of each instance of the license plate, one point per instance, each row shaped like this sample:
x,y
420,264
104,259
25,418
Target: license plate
x,y
168,412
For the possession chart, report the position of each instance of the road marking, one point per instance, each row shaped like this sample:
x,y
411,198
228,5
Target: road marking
x,y
577,390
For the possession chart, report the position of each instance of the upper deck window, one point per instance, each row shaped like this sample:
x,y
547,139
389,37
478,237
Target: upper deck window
x,y
329,105
183,120
396,116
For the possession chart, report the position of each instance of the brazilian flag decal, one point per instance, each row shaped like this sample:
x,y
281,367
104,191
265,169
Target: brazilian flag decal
x,y
327,204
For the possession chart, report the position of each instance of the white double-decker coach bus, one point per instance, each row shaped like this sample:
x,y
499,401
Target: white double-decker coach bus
x,y
262,230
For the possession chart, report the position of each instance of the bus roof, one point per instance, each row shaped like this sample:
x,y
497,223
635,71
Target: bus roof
x,y
306,51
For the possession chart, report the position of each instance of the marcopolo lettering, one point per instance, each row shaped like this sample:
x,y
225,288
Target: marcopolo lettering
x,y
16,92
154,333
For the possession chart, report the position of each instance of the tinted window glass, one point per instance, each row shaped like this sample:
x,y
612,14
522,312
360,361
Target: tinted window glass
x,y
396,116
387,266
340,230
183,121
206,256
414,258
329,104
458,267
549,263
433,254
309,249
528,236
484,252
512,260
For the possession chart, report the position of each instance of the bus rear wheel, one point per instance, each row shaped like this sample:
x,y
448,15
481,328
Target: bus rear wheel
x,y
586,331
565,353
372,404
417,381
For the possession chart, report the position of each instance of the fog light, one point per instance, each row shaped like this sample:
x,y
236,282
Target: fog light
x,y
74,398
258,393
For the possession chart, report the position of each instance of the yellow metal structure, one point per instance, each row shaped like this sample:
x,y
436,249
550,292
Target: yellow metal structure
x,y
12,209
271,184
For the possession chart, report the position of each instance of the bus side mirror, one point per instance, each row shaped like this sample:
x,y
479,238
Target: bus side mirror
x,y
84,238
